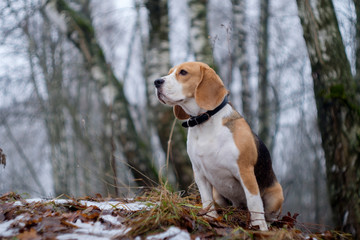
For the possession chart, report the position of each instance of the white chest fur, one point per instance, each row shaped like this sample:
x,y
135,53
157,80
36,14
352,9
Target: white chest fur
x,y
214,155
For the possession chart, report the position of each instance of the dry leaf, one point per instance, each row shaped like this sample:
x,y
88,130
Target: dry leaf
x,y
29,235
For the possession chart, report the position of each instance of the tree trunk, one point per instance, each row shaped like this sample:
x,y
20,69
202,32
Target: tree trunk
x,y
109,173
80,31
158,64
49,55
199,32
241,55
263,82
357,43
357,47
338,110
57,128
19,149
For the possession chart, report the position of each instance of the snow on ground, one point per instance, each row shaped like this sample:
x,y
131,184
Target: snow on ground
x,y
109,205
106,205
173,233
98,230
93,231
5,227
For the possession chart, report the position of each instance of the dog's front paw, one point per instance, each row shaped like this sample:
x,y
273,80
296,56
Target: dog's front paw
x,y
211,214
258,219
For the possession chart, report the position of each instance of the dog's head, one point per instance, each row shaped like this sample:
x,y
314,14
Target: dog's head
x,y
190,81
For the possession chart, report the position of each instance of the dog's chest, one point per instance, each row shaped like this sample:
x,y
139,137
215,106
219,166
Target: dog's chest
x,y
212,150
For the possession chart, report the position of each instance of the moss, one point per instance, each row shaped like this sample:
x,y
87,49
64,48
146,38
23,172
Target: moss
x,y
100,53
79,18
337,91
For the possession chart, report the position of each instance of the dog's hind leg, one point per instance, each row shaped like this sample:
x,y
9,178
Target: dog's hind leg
x,y
273,199
219,199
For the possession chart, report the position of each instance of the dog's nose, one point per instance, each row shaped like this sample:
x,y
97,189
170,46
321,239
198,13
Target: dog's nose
x,y
158,82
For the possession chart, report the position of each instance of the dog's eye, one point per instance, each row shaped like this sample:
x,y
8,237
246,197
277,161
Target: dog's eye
x,y
183,72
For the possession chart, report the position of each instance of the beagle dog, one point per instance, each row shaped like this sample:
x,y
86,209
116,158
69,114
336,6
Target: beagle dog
x,y
231,164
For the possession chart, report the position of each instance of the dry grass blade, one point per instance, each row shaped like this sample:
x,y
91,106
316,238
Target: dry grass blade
x,y
169,209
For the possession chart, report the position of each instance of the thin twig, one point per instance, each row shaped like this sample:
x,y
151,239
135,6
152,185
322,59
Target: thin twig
x,y
169,147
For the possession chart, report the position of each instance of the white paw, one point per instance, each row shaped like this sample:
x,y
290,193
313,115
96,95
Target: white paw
x,y
212,214
259,220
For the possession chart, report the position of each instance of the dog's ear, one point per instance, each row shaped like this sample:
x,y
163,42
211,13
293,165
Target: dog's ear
x,y
180,113
211,90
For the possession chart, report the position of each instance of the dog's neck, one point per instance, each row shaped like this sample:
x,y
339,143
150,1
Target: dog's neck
x,y
205,116
190,107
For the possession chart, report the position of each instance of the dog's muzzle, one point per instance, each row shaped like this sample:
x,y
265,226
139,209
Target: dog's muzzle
x,y
159,82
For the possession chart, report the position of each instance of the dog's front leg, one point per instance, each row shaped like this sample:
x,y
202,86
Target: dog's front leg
x,y
255,206
205,190
253,198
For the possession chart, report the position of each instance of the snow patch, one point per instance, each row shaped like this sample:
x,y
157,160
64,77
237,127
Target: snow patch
x,y
111,205
80,237
173,233
106,205
111,219
6,230
93,231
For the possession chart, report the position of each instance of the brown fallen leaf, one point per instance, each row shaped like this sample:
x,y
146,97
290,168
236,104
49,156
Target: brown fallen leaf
x,y
91,213
72,216
10,196
287,220
29,235
66,223
51,224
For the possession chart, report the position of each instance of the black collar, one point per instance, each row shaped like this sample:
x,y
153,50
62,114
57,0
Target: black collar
x,y
197,120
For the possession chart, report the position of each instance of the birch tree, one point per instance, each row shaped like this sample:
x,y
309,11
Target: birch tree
x,y
357,43
263,82
23,155
241,55
199,32
79,30
43,50
47,52
337,103
162,117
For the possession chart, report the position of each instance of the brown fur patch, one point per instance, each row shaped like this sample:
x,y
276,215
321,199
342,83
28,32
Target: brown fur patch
x,y
244,141
229,121
248,177
191,80
211,91
180,113
273,199
202,83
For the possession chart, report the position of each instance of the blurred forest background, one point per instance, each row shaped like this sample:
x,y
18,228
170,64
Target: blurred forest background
x,y
78,113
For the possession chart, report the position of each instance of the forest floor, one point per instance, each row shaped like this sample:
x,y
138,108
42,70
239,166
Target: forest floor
x,y
158,214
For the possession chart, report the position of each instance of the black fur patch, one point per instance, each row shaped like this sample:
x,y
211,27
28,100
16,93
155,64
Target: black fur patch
x,y
264,173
